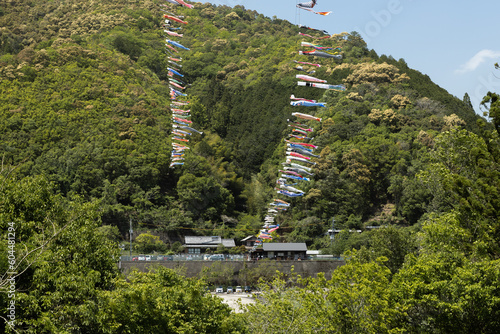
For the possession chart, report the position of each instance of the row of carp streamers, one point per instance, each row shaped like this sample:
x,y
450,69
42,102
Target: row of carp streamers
x,y
182,125
299,164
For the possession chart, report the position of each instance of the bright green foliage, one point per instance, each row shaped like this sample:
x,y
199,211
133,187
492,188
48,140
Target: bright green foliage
x,y
452,284
493,102
88,129
148,243
446,293
110,232
85,102
85,107
69,282
355,300
62,262
444,279
164,302
466,179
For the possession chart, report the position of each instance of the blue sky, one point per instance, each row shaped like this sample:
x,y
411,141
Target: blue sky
x,y
455,43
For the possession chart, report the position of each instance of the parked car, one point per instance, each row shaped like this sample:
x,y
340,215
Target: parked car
x,y
219,289
248,288
165,258
238,289
216,257
229,289
135,258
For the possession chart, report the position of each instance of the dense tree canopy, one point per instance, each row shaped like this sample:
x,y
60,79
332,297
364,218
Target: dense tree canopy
x,y
85,103
84,109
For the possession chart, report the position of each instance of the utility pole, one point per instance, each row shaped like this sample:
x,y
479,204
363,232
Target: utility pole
x,y
333,233
130,234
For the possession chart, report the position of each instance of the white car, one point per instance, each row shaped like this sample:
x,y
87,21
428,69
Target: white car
x,y
238,289
219,289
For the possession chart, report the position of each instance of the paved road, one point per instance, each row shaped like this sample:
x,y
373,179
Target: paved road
x,y
232,299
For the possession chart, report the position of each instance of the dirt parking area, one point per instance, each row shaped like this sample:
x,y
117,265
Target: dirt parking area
x,y
232,299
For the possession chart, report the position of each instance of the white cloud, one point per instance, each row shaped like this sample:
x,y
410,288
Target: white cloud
x,y
477,60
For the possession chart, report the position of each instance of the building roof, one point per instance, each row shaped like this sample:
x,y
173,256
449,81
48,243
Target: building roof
x,y
207,242
210,240
228,243
284,247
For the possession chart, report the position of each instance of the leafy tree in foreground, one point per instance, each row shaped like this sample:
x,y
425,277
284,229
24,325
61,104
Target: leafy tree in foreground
x,y
466,180
68,281
451,286
61,260
448,294
355,300
443,291
164,302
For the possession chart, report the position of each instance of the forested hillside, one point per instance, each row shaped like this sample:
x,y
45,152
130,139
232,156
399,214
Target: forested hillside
x,y
84,102
85,139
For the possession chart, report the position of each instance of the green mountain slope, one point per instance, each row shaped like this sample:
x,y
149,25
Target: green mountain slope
x,y
84,101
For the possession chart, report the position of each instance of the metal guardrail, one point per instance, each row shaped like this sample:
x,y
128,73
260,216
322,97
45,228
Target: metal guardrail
x,y
326,258
184,257
210,257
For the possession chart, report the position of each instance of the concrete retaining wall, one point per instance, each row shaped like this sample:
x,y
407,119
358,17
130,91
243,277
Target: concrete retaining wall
x,y
193,268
